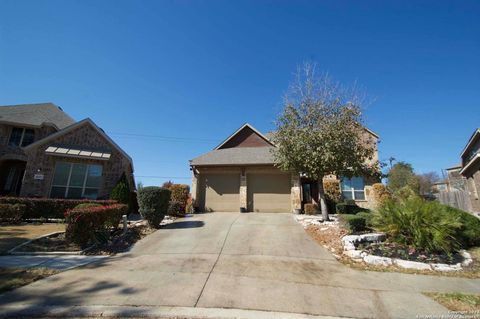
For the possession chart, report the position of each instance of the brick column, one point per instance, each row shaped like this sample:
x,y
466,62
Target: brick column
x,y
296,192
243,190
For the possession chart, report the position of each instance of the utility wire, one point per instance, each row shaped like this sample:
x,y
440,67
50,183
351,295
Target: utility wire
x,y
162,137
166,177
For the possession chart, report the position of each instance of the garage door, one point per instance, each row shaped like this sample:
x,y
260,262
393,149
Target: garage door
x,y
269,193
222,192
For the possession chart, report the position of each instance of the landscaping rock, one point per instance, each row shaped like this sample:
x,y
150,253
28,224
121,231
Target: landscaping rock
x,y
446,267
412,264
351,239
349,246
377,260
354,254
373,237
467,258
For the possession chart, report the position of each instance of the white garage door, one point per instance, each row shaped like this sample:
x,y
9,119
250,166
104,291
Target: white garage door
x,y
222,192
269,193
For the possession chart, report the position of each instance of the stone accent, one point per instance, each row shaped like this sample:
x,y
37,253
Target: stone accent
x,y
377,260
243,189
194,189
411,264
296,193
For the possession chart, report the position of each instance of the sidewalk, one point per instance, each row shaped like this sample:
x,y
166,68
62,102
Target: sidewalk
x,y
49,261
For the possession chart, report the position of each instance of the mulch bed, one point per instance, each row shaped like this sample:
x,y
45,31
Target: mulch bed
x,y
394,250
330,238
51,243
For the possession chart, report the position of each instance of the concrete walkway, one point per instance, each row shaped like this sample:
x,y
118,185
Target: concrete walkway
x,y
262,262
59,262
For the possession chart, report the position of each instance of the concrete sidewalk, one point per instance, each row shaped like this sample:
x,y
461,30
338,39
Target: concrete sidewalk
x,y
59,262
261,262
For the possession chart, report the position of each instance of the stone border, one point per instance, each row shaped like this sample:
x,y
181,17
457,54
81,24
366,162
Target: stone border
x,y
35,253
350,243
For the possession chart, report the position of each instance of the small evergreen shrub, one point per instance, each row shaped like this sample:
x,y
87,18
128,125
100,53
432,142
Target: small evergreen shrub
x,y
333,194
180,194
83,223
121,192
311,209
12,212
153,202
469,232
49,208
354,223
348,208
175,209
412,221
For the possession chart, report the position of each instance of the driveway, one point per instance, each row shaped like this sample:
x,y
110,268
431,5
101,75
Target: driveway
x,y
241,261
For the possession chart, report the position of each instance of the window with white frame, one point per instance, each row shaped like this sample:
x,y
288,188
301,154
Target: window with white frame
x,y
353,188
73,180
21,136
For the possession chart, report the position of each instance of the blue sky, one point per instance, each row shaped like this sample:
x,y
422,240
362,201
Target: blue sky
x,y
197,70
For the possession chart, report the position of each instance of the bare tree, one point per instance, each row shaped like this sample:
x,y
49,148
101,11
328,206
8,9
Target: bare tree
x,y
320,131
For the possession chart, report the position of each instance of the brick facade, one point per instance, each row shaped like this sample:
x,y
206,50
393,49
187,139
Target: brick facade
x,y
85,137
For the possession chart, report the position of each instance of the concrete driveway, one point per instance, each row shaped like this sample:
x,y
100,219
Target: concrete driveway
x,y
240,261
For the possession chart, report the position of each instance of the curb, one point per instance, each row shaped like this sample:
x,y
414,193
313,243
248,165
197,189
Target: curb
x,y
148,312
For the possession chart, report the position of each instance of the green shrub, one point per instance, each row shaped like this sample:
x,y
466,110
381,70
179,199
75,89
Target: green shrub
x,y
87,205
180,193
349,208
469,233
49,208
310,209
121,191
11,212
420,224
84,223
153,202
354,223
175,209
368,216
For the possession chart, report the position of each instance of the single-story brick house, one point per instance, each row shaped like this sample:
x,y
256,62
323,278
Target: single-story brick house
x,y
470,169
240,174
45,153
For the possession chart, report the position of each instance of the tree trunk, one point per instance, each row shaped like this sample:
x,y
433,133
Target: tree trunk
x,y
322,201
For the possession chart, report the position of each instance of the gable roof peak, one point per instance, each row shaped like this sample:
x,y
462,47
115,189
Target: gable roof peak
x,y
245,125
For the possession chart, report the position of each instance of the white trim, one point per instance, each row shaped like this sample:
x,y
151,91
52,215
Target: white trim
x,y
371,132
470,141
238,131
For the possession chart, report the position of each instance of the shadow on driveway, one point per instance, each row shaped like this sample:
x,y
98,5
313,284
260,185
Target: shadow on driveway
x,y
185,224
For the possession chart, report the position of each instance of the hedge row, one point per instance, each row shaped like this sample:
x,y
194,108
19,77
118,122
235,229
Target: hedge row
x,y
87,221
11,212
48,207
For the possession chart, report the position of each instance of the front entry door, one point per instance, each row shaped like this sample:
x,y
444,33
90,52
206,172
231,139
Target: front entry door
x,y
309,192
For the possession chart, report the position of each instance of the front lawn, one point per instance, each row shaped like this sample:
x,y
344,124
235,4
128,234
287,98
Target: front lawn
x,y
14,235
467,304
11,278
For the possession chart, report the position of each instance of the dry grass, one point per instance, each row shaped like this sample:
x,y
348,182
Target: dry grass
x,y
457,301
331,239
11,278
14,235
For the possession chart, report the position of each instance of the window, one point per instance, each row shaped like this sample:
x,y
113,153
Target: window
x,y
353,188
21,136
72,180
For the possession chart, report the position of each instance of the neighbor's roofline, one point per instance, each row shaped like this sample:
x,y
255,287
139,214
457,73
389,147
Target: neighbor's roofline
x,y
470,141
74,126
241,128
470,163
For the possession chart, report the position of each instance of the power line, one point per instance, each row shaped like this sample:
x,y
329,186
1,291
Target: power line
x,y
164,177
162,137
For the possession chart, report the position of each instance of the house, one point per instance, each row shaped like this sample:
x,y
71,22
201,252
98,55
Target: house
x,y
470,169
239,174
45,153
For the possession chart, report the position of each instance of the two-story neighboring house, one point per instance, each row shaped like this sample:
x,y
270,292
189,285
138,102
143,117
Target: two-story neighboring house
x,y
46,153
471,169
240,174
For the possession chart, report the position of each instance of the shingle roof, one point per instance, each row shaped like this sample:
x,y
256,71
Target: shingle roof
x,y
35,115
236,156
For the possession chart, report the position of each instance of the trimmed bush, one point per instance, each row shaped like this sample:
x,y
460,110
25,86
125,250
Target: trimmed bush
x,y
175,209
153,202
310,209
333,194
87,205
354,223
349,209
85,222
11,212
380,194
49,207
180,193
121,191
428,226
